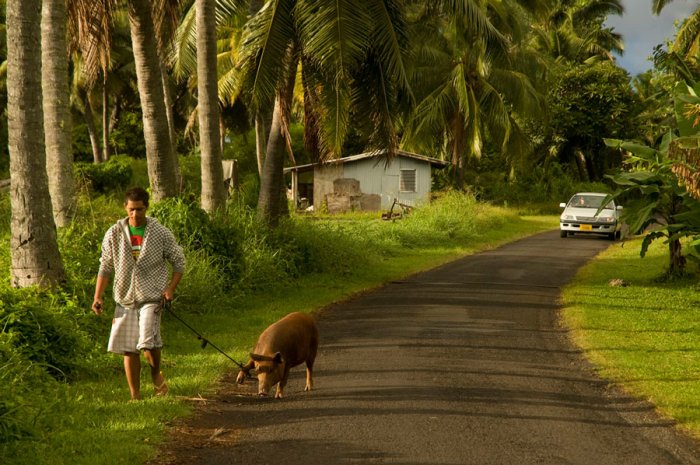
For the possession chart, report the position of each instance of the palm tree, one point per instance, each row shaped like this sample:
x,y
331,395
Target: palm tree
x,y
571,31
687,42
337,39
35,256
57,117
213,192
472,86
162,168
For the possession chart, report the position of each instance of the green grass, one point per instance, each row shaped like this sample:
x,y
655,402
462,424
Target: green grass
x,y
90,420
644,337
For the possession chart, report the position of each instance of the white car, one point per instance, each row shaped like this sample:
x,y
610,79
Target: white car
x,y
579,216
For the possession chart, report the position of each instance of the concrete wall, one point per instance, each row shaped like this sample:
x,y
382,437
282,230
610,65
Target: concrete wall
x,y
323,182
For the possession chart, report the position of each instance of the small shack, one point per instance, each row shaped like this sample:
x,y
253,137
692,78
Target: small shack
x,y
366,182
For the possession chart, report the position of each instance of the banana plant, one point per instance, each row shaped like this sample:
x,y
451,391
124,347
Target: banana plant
x,y
658,206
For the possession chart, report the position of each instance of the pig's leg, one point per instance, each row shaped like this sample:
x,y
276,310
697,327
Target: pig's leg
x,y
240,379
310,367
283,382
309,375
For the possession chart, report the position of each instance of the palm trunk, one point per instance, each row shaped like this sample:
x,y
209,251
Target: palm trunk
x,y
105,122
259,141
458,159
57,117
159,153
168,95
213,189
116,114
581,165
92,129
272,201
271,181
35,256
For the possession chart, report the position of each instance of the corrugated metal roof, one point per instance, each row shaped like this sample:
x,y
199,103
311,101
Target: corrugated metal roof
x,y
377,153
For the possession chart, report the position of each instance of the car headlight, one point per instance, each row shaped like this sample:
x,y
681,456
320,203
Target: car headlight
x,y
567,217
606,219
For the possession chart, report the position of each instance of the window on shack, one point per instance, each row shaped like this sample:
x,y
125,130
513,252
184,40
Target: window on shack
x,y
407,180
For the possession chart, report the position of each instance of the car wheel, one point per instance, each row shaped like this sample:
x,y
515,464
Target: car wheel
x,y
612,236
563,234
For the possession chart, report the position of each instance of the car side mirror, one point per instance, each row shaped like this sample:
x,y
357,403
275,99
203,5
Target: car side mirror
x,y
562,205
619,207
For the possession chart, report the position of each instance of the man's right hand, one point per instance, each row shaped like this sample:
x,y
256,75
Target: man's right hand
x,y
97,306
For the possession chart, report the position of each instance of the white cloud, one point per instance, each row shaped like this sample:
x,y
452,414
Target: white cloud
x,y
642,31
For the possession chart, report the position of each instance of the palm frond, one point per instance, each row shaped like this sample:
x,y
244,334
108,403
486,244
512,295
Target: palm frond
x,y
389,40
335,34
688,35
595,10
431,114
374,96
183,57
266,38
659,5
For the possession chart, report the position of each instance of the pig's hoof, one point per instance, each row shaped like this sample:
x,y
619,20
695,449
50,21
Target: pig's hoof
x,y
240,379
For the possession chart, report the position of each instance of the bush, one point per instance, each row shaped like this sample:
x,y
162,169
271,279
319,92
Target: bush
x,y
42,328
114,174
220,236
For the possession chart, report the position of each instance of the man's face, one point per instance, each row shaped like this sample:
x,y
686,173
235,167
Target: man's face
x,y
137,212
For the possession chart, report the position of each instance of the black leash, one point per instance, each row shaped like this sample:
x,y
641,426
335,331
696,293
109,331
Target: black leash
x,y
168,306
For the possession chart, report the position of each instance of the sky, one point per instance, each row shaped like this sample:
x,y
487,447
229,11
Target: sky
x,y
642,30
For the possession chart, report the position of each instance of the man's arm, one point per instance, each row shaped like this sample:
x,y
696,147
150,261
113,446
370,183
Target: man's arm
x,y
100,286
169,292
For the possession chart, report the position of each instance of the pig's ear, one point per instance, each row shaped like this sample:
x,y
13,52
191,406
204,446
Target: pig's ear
x,y
277,358
257,358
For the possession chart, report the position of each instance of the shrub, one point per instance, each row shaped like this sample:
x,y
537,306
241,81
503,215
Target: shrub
x,y
42,328
219,235
116,173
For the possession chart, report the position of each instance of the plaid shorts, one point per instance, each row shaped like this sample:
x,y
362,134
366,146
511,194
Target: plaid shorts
x,y
135,328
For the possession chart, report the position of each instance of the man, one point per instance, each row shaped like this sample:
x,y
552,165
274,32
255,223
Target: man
x,y
136,251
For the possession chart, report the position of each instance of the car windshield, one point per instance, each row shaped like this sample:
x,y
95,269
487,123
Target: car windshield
x,y
589,201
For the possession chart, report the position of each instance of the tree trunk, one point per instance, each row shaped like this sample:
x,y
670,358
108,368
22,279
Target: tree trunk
x,y
272,201
116,114
57,117
259,141
35,256
676,258
458,158
272,180
159,153
168,95
105,122
92,129
213,191
581,164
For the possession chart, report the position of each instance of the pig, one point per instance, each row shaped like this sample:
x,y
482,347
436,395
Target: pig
x,y
285,344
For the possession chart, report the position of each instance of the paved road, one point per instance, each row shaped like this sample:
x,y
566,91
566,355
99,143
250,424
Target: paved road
x,y
464,364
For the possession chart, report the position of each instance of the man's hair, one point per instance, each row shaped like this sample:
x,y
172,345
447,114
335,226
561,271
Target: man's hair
x,y
136,194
